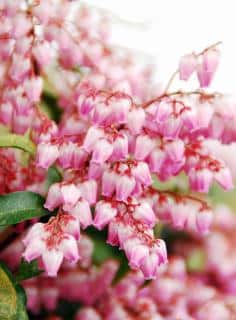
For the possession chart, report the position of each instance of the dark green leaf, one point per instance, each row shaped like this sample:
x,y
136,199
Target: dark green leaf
x,y
53,176
28,270
20,206
21,303
49,102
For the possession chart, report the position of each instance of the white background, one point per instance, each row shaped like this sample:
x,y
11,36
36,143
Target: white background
x,y
166,29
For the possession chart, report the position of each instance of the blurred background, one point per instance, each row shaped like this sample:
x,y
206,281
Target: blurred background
x,y
164,30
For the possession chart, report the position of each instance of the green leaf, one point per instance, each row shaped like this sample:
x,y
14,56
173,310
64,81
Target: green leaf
x,y
21,303
12,297
196,261
50,105
17,141
20,206
53,176
28,270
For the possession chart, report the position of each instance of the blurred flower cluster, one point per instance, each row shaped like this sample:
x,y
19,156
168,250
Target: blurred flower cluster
x,y
91,112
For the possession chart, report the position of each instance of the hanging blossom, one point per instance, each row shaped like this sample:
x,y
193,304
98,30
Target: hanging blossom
x,y
112,139
110,161
211,283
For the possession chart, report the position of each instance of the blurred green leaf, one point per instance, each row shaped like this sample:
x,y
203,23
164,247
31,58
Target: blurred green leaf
x,y
218,196
22,142
12,297
196,261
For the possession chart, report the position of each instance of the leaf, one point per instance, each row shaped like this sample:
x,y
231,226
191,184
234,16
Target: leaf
x,y
12,297
53,176
49,102
21,303
196,261
11,140
28,270
20,206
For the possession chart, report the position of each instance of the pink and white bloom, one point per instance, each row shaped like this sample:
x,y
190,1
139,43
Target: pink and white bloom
x,y
124,187
224,178
207,66
47,154
200,180
54,197
143,147
141,173
102,150
83,212
88,190
70,194
104,213
52,243
204,220
144,213
136,252
187,66
136,120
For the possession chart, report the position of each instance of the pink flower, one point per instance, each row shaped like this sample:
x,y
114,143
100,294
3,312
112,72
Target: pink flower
x,y
79,157
187,66
102,114
108,183
54,197
175,150
200,180
87,313
124,187
92,136
52,260
207,66
150,265
69,248
82,211
142,174
104,213
136,252
88,191
66,154
204,220
33,88
143,147
179,215
136,119
70,195
19,68
224,178
47,154
72,226
53,242
156,160
213,310
145,214
102,150
163,111
43,54
85,104
120,148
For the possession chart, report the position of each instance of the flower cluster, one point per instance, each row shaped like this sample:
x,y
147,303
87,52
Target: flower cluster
x,y
111,141
115,138
212,284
